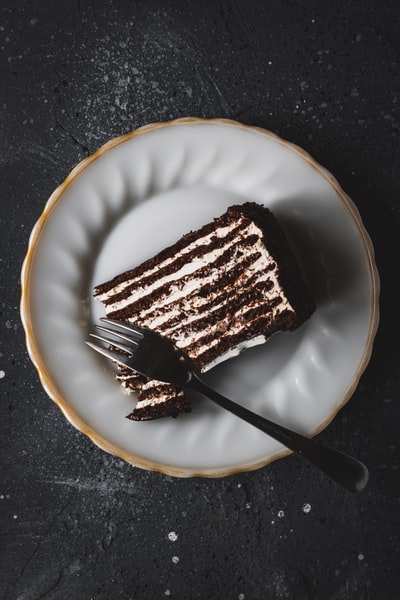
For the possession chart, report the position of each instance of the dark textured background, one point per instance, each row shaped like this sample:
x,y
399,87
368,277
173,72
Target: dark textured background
x,y
77,523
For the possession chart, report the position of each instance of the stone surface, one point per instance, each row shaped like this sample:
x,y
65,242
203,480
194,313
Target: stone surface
x,y
77,523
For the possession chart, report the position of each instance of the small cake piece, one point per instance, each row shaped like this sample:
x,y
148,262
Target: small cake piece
x,y
217,291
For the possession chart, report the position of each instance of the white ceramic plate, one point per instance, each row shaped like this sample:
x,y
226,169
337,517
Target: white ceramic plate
x,y
140,193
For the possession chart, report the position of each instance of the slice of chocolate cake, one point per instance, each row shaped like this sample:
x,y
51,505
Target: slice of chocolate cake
x,y
217,291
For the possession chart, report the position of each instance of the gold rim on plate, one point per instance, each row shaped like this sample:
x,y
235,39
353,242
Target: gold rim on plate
x,y
44,376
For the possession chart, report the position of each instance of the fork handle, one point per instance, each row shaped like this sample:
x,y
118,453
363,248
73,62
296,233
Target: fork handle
x,y
344,469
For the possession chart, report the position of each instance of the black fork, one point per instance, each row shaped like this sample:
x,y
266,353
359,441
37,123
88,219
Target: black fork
x,y
152,355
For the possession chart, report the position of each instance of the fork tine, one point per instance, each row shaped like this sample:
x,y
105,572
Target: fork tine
x,y
117,334
120,346
134,330
112,355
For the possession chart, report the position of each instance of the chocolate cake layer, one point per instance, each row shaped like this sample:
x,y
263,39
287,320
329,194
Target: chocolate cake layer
x,y
223,288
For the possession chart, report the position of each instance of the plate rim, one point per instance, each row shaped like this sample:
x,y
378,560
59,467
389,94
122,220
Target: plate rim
x,y
44,376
